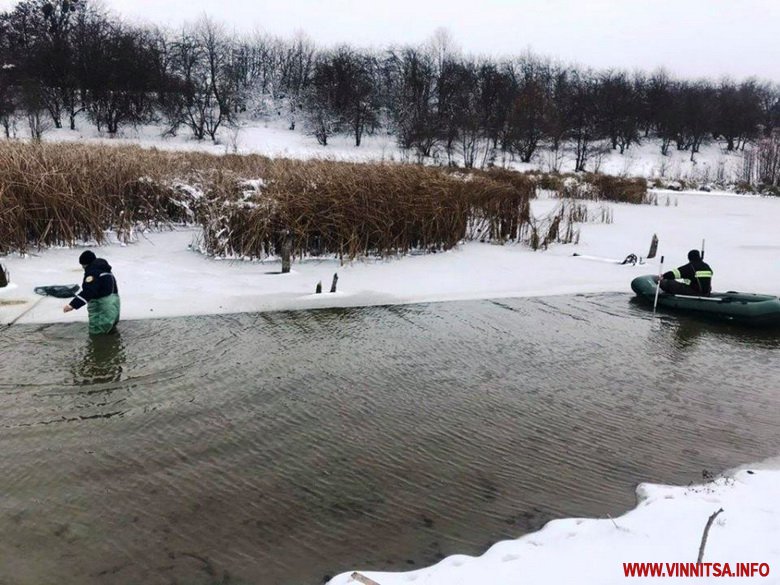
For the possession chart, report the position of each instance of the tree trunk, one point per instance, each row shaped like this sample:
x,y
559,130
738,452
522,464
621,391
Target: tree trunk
x,y
286,252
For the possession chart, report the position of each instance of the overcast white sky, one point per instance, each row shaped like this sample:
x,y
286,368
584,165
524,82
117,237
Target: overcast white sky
x,y
691,38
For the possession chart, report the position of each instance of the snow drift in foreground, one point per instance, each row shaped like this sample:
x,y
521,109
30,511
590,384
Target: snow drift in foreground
x,y
666,527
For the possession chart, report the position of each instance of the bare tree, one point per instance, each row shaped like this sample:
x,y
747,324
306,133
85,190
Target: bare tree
x,y
761,164
618,109
661,111
34,109
64,57
412,80
467,116
557,121
118,89
320,102
216,49
697,112
9,99
530,108
346,80
769,97
497,91
582,118
201,61
442,48
39,44
296,69
737,113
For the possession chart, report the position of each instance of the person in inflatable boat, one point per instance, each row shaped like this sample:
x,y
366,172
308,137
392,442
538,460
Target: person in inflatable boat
x,y
695,278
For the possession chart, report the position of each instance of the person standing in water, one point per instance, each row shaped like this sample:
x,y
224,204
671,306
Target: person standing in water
x,y
99,292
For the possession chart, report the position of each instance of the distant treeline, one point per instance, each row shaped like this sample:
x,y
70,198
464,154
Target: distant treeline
x,y
65,58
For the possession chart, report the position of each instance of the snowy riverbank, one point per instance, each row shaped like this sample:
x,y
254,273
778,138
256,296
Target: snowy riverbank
x,y
666,527
160,276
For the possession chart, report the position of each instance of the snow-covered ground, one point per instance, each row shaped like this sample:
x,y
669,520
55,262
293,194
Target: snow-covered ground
x,y
273,138
159,276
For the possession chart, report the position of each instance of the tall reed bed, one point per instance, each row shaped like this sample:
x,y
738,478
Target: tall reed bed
x,y
357,209
595,187
62,194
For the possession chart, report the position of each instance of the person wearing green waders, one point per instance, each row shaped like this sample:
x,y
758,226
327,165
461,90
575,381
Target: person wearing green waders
x,y
99,292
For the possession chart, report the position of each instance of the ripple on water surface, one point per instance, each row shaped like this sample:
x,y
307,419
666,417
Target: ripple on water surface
x,y
280,447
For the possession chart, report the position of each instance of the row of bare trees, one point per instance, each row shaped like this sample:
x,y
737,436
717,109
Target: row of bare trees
x,y
761,165
64,58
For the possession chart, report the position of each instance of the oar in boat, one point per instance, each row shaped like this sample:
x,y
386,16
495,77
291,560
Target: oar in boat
x,y
658,284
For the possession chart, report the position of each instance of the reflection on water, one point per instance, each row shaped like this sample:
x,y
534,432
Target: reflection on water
x,y
686,334
280,447
102,361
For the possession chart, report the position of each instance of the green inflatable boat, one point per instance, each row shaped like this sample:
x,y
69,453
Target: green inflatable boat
x,y
748,308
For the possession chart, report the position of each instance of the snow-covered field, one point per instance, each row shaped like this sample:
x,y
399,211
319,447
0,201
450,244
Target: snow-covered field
x,y
713,165
160,276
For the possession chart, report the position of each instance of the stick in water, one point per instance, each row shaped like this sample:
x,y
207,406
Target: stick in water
x,y
27,310
658,284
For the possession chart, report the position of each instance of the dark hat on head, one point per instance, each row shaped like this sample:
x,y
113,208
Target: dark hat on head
x,y
694,256
87,258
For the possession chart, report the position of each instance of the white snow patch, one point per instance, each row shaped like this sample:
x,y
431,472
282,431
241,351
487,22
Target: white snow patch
x,y
665,527
160,275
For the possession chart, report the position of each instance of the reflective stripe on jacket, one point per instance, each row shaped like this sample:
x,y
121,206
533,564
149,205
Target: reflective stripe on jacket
x,y
698,275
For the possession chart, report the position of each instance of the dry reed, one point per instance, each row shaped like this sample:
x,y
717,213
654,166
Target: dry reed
x,y
56,194
64,194
354,210
594,186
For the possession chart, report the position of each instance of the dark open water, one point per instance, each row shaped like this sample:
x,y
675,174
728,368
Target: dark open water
x,y
278,448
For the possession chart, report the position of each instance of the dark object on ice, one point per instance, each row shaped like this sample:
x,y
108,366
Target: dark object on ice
x,y
631,259
60,291
286,250
318,290
653,247
367,580
3,277
335,280
746,308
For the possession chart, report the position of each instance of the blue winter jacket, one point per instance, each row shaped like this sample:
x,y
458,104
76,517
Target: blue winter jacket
x,y
98,282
